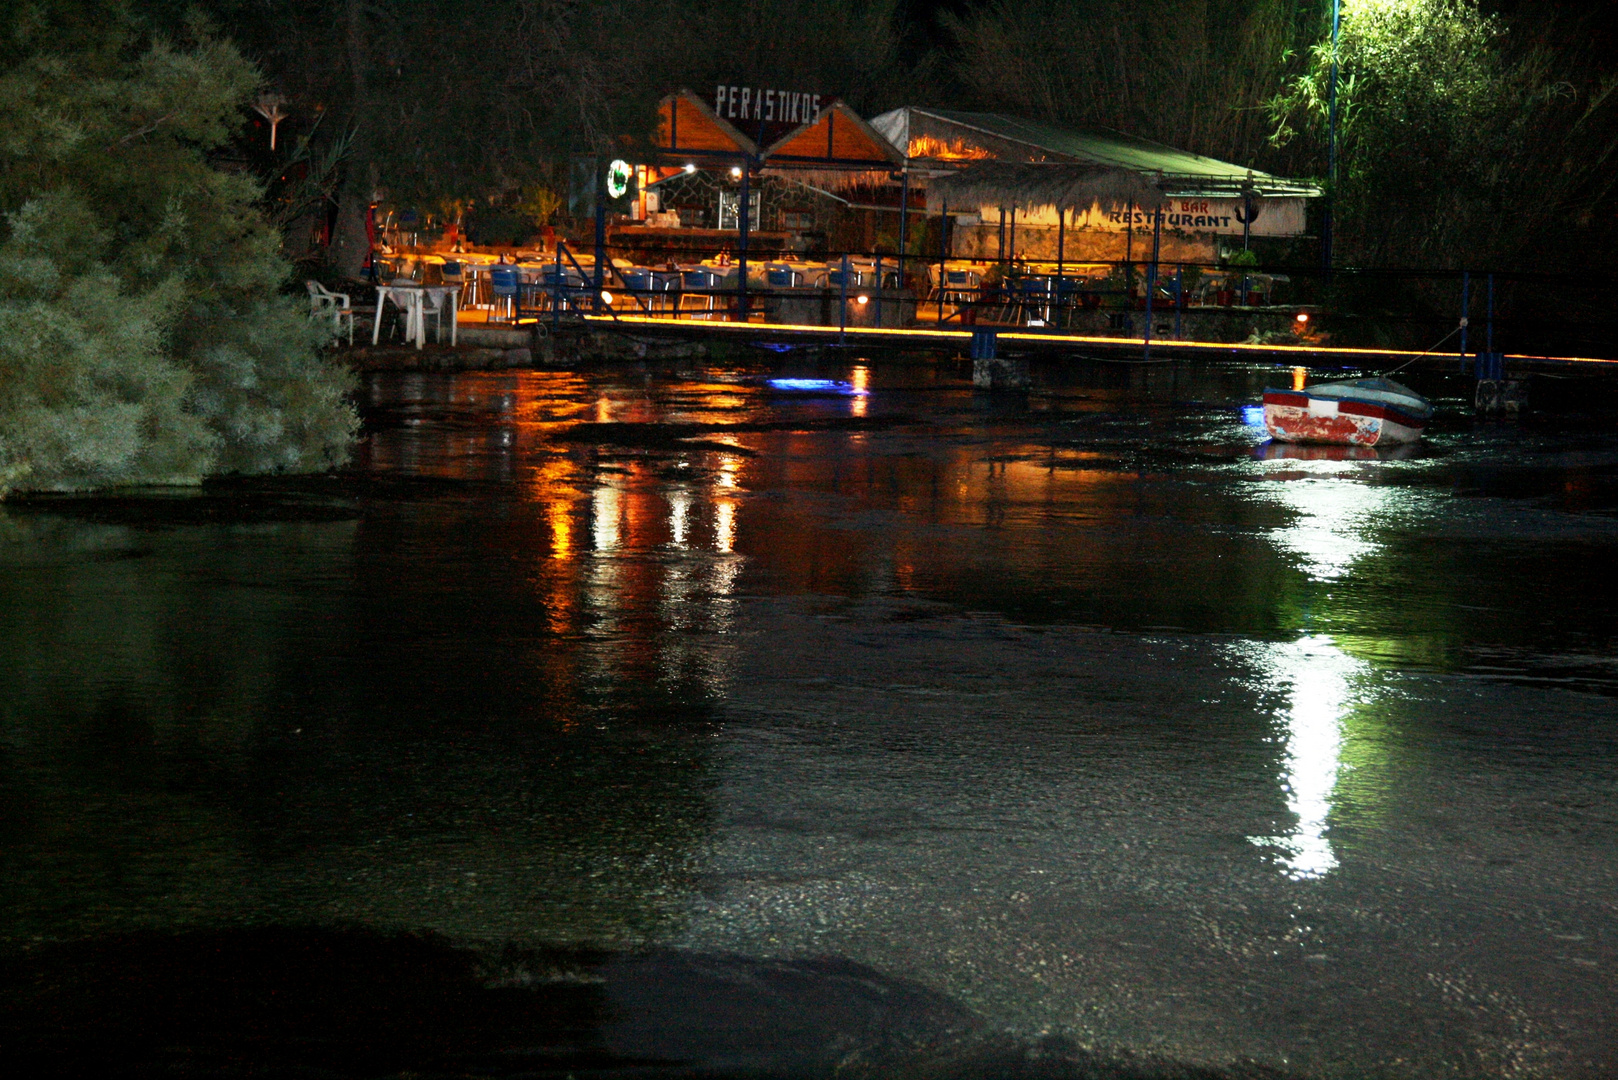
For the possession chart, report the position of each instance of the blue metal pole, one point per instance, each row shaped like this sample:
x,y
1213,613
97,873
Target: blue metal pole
x,y
556,290
842,306
1179,298
1490,334
741,245
601,236
1331,147
876,297
1466,304
904,230
1151,275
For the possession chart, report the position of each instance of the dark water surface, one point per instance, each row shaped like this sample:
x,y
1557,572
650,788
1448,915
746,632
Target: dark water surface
x,y
1078,708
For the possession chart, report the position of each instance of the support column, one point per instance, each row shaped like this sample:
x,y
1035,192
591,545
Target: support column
x,y
1466,308
601,236
904,231
741,243
1061,251
1151,275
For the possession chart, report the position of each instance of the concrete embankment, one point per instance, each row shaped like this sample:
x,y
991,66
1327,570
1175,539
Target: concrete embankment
x,y
490,348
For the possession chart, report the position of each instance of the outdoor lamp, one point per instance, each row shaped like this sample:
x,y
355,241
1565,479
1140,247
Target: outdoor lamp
x,y
735,172
690,167
862,299
1303,318
606,298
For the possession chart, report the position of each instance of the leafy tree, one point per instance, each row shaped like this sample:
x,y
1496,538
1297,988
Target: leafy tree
x,y
1190,73
144,336
483,101
1452,149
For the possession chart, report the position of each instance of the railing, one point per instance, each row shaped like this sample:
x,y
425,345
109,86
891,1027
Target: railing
x,y
1515,312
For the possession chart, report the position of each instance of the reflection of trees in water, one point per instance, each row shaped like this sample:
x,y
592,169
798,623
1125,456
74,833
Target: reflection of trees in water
x,y
146,670
329,721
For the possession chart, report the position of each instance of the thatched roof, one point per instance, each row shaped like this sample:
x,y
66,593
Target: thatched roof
x,y
1029,186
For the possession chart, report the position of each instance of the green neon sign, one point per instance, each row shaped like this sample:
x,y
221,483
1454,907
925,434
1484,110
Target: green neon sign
x,y
618,174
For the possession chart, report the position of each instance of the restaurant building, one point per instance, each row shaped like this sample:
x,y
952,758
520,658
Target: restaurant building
x,y
785,206
821,179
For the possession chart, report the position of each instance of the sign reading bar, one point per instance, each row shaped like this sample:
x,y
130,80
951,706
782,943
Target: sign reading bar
x,y
767,104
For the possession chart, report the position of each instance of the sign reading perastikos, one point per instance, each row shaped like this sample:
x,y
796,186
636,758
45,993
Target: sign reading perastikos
x,y
767,104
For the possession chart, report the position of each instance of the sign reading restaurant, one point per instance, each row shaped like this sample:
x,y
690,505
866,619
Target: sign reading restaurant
x,y
767,104
1264,217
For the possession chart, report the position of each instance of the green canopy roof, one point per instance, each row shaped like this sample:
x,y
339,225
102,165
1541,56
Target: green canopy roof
x,y
952,138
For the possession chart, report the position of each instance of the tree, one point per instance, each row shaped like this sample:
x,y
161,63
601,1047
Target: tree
x,y
485,100
1190,73
144,337
1453,150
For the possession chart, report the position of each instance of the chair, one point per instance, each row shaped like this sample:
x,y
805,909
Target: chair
x,y
323,302
783,277
432,306
960,288
563,290
452,273
702,297
649,287
504,285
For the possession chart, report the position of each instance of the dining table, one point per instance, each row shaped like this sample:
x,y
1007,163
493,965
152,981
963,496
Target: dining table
x,y
411,298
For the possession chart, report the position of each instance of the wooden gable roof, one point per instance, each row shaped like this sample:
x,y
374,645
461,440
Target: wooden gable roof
x,y
837,137
686,125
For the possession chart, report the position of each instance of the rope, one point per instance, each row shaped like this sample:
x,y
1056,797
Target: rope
x,y
1430,348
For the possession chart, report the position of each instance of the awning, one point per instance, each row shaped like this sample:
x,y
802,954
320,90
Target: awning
x,y
1068,161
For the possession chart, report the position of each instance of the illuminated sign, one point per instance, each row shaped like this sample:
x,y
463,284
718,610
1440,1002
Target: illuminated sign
x,y
767,104
1272,216
618,174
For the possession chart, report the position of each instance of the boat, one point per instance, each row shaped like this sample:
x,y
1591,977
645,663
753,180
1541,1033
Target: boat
x,y
1353,412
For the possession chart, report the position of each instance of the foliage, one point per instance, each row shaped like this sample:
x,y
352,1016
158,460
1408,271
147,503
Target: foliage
x,y
146,337
481,100
88,395
1189,73
1451,150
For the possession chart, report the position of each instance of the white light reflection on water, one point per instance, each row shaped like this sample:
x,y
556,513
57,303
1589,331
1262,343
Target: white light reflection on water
x,y
679,517
606,506
1334,513
724,508
724,527
1317,677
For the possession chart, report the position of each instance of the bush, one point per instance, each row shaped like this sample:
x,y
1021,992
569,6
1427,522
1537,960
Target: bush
x,y
144,333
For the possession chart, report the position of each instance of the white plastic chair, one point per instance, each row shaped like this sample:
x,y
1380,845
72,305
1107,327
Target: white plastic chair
x,y
432,307
324,302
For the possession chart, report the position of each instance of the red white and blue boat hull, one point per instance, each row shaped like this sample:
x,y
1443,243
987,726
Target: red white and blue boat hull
x,y
1334,413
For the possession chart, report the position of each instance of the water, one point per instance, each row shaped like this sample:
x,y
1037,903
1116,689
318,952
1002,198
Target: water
x,y
1080,708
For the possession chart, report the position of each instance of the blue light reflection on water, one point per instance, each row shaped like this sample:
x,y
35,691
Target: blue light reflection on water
x,y
817,386
1253,416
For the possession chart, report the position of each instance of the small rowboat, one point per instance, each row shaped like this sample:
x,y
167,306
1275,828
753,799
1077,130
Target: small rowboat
x,y
1354,412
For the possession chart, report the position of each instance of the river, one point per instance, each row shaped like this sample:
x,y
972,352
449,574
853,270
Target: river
x,y
1080,707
